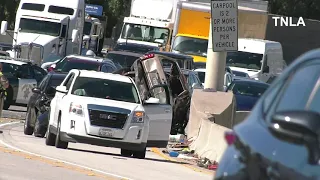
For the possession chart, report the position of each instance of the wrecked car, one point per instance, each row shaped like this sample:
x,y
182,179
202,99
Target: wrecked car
x,y
148,71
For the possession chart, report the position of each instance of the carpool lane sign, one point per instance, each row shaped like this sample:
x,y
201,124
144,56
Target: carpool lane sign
x,y
224,17
95,10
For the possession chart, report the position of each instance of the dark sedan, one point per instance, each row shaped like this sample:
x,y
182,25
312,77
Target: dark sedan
x,y
83,63
125,59
247,92
46,89
280,137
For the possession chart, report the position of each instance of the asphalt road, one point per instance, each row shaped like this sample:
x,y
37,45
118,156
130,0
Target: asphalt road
x,y
15,112
27,157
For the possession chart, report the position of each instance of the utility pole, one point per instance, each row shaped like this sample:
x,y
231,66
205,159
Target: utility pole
x,y
223,37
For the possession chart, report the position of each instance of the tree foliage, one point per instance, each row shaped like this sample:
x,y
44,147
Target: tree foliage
x,y
309,9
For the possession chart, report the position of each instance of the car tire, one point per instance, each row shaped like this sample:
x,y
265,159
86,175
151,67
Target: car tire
x,y
126,153
60,144
38,132
140,154
9,98
50,138
28,130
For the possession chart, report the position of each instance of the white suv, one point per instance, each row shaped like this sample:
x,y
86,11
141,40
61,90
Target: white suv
x,y
106,109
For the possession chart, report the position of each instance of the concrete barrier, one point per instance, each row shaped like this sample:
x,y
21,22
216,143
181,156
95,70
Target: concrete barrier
x,y
211,114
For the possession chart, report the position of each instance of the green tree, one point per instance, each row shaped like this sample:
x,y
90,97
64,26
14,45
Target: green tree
x,y
309,9
8,10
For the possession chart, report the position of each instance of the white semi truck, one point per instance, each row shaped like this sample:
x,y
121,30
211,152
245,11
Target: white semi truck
x,y
94,28
150,23
46,29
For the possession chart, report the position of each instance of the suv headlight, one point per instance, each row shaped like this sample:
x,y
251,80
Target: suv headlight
x,y
138,117
76,109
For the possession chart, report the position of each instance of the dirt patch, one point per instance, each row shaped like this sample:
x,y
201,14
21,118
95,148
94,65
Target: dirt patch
x,y
8,120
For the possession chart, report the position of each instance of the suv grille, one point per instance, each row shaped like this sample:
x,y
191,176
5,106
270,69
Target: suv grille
x,y
107,119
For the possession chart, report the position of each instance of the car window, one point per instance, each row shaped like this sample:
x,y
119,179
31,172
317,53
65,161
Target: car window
x,y
8,68
39,73
107,68
43,83
55,81
189,78
105,89
296,93
201,76
68,64
270,97
315,101
25,72
68,82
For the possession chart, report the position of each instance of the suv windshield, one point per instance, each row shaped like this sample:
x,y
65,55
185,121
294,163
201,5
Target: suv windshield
x,y
68,64
87,28
191,46
105,89
39,27
122,59
244,60
145,33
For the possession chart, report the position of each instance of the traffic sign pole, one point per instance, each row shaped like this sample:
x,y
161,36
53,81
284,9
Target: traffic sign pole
x,y
223,37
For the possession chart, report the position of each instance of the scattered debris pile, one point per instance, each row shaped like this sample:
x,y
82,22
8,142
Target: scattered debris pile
x,y
178,147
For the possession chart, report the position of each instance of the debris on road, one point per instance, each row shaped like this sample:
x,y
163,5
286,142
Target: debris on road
x,y
178,148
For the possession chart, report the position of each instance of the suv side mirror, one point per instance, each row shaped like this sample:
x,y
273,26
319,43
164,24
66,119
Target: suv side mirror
x,y
36,90
74,35
62,89
86,38
299,127
4,28
266,69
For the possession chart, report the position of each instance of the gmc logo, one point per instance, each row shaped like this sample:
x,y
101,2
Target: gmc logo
x,y
108,116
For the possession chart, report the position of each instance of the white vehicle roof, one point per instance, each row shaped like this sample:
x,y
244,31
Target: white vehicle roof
x,y
103,75
19,63
88,58
257,45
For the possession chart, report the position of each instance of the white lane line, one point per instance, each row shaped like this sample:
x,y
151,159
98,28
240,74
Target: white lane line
x,y
59,160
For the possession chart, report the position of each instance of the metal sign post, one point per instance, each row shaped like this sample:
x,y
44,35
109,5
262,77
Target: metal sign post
x,y
223,37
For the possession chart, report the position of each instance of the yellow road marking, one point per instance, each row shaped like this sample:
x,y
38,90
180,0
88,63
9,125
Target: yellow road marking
x,y
57,164
158,152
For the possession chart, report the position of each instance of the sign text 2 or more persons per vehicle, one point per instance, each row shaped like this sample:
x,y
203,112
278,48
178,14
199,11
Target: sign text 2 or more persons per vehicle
x,y
224,16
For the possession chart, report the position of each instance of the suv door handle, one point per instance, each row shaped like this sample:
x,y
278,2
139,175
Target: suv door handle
x,y
167,111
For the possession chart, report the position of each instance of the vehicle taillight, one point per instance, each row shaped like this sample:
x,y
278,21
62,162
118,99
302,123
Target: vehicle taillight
x,y
230,137
147,56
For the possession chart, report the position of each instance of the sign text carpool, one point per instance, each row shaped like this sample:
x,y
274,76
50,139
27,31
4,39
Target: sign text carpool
x,y
224,16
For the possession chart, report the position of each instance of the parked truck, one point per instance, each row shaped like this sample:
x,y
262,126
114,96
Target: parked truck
x,y
150,23
94,28
46,29
192,25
